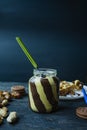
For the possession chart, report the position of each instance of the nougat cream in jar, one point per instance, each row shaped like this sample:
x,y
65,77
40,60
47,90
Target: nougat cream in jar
x,y
43,90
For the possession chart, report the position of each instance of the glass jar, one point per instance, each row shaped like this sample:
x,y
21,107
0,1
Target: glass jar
x,y
44,90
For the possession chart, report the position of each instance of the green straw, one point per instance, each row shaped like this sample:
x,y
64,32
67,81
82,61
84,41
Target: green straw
x,y
27,53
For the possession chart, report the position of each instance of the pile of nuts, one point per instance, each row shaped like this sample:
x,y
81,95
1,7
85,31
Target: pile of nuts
x,y
69,87
5,98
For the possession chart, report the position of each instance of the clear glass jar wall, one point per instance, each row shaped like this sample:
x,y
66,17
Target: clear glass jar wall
x,y
43,90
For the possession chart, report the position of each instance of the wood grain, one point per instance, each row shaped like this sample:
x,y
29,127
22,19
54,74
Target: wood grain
x,y
65,118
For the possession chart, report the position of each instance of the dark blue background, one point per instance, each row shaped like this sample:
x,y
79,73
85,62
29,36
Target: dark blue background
x,y
55,33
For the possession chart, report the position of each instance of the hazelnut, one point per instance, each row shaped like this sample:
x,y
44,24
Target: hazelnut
x,y
5,92
5,102
5,108
8,96
3,113
12,117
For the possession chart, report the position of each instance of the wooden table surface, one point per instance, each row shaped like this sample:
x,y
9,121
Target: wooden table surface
x,y
64,119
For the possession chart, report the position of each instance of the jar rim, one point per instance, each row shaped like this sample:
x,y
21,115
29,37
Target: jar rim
x,y
45,71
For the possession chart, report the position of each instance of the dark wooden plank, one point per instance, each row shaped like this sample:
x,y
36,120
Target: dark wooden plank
x,y
65,118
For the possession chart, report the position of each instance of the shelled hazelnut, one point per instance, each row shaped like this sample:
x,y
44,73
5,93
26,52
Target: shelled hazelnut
x,y
4,102
5,98
3,112
7,95
12,117
5,108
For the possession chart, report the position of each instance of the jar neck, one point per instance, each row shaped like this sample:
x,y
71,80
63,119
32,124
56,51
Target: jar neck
x,y
43,72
